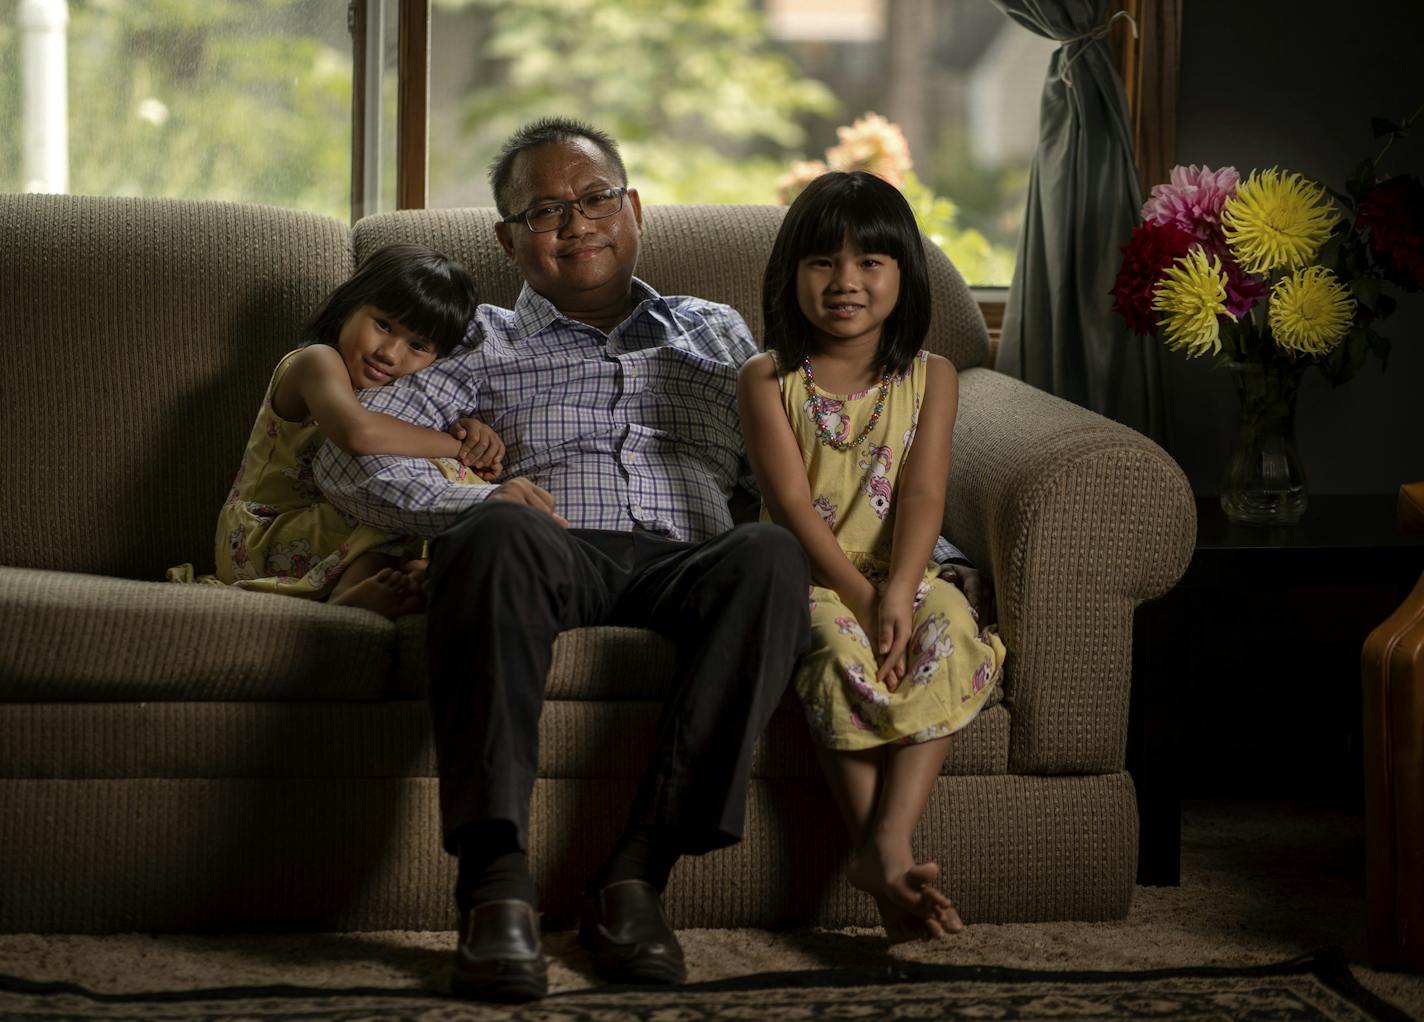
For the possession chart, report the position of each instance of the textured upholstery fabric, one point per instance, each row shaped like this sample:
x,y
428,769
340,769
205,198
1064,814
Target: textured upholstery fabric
x,y
1082,519
149,329
202,854
586,738
194,758
70,637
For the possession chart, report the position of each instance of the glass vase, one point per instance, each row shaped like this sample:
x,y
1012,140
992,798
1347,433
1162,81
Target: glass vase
x,y
1265,483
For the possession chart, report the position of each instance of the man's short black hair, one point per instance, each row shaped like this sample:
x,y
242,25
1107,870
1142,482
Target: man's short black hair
x,y
544,131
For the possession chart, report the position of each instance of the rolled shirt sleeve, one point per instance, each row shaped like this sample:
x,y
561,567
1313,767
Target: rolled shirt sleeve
x,y
410,496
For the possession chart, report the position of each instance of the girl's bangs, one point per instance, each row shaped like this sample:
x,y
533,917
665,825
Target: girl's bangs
x,y
857,214
424,315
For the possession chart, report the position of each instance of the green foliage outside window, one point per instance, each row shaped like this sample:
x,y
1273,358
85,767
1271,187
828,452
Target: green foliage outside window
x,y
249,100
704,108
242,100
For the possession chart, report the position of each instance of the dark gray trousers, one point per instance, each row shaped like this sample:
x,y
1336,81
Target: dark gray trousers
x,y
507,579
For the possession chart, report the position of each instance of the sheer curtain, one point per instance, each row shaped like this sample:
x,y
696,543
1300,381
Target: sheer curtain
x,y
1060,333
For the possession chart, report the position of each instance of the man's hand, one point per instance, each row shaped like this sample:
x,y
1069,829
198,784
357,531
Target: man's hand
x,y
522,491
481,450
977,587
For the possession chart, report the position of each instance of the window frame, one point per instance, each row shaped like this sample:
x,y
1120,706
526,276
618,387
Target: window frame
x,y
1150,64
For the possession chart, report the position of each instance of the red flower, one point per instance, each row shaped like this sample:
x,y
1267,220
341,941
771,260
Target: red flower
x,y
1152,248
1392,216
1243,289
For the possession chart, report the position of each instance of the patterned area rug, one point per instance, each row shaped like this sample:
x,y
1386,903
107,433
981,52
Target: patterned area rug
x,y
1316,987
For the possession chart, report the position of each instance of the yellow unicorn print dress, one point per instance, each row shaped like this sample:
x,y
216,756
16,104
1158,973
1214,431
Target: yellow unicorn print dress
x,y
276,533
953,663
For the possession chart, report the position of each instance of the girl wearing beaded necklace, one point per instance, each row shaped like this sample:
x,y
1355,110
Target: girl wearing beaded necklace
x,y
848,427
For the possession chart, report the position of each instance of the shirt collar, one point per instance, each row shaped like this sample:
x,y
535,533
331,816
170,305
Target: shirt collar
x,y
534,313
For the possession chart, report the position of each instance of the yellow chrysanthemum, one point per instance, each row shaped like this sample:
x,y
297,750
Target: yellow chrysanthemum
x,y
1310,311
1276,220
1190,295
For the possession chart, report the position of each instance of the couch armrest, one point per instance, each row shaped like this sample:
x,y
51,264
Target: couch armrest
x,y
1081,519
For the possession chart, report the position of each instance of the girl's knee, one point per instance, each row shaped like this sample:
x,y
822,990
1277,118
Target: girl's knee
x,y
839,640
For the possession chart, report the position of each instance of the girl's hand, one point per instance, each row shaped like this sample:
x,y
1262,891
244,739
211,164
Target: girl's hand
x,y
893,624
865,604
482,450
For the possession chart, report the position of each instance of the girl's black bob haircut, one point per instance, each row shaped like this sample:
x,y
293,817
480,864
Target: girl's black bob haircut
x,y
876,218
427,293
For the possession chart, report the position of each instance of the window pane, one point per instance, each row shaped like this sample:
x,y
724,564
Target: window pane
x,y
245,100
726,100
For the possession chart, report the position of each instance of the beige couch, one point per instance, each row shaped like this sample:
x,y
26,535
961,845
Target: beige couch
x,y
193,758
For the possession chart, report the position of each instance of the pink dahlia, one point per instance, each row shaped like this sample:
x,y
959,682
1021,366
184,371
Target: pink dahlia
x,y
1193,200
1392,214
1152,248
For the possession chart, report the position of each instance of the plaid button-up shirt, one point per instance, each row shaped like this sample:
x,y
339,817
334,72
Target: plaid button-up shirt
x,y
634,429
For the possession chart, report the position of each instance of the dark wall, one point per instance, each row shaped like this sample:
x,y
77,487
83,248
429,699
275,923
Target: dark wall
x,y
1294,83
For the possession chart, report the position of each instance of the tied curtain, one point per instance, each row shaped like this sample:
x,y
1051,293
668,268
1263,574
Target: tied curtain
x,y
1060,333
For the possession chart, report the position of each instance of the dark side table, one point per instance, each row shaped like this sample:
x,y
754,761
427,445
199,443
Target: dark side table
x,y
1238,577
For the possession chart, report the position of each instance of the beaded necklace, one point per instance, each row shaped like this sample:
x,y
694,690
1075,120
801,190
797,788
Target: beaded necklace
x,y
823,432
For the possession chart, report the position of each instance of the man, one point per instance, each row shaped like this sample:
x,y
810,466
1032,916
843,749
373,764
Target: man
x,y
618,408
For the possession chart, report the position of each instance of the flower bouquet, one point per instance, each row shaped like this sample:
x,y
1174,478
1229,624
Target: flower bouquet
x,y
1273,275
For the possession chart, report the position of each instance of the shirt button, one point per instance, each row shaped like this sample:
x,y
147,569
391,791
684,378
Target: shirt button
x,y
633,372
631,456
637,510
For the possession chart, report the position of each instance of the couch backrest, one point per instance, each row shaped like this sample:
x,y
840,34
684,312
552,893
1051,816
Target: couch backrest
x,y
138,337
713,252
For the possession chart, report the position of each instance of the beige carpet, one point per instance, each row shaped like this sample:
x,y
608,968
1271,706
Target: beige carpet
x,y
1261,882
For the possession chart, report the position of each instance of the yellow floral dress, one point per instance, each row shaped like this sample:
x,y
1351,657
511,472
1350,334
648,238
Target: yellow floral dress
x,y
953,663
276,533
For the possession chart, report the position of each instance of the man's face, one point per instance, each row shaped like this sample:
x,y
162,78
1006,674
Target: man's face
x,y
585,265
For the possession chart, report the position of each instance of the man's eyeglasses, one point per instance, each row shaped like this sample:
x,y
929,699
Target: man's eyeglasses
x,y
550,216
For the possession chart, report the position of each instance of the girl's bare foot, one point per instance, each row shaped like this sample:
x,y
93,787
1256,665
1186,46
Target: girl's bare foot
x,y
419,578
390,592
901,926
911,907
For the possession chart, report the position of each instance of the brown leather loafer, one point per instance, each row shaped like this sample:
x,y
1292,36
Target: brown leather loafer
x,y
625,933
498,957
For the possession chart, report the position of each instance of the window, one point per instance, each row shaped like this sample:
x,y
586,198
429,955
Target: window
x,y
240,100
727,101
322,104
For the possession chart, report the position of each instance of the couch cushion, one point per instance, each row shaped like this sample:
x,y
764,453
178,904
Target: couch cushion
x,y
600,663
70,637
73,638
146,330
609,739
